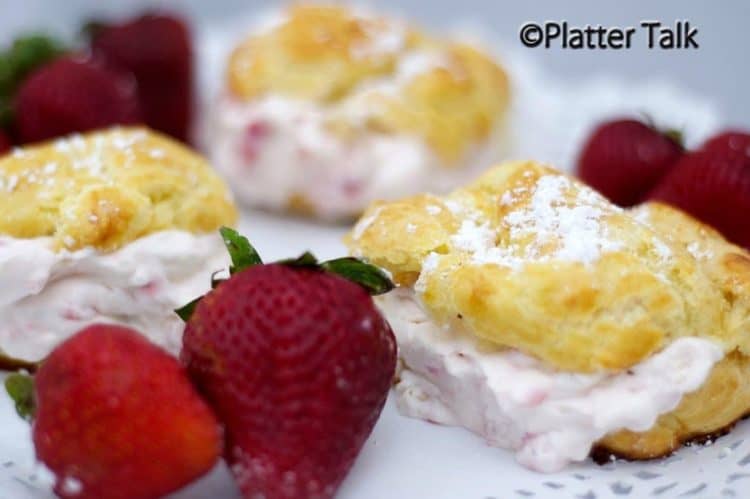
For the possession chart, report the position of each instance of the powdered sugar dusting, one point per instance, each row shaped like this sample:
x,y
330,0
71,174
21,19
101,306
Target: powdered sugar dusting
x,y
662,250
364,224
480,241
383,38
454,206
699,252
643,217
549,227
582,236
89,155
507,198
429,265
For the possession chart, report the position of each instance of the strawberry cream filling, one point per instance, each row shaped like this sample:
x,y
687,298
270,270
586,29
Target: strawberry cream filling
x,y
548,418
275,149
49,295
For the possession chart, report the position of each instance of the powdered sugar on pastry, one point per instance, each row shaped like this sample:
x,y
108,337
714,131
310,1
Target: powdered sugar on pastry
x,y
698,251
382,39
549,227
575,229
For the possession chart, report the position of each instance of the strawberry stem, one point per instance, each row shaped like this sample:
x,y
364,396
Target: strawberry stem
x,y
91,29
306,259
675,136
8,363
20,387
215,281
244,255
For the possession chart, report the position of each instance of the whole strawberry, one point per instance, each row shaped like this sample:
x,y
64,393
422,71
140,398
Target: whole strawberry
x,y
297,362
74,94
157,49
713,185
729,142
624,160
116,417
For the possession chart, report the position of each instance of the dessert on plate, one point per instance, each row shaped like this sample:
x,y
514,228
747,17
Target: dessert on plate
x,y
114,226
551,322
329,109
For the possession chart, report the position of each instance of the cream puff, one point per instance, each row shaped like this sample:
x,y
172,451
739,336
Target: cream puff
x,y
537,314
114,226
330,108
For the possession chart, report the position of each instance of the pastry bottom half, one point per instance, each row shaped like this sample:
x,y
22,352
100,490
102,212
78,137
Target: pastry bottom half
x,y
710,411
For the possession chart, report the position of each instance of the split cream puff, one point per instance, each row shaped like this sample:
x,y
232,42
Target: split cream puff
x,y
535,313
115,226
329,109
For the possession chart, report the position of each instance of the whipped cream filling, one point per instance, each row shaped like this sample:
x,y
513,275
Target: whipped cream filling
x,y
49,295
276,148
548,418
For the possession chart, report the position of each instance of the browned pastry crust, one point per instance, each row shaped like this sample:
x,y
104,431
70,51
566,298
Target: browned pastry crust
x,y
714,409
107,188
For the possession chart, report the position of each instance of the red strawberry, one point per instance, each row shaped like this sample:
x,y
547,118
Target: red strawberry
x,y
5,143
713,187
158,50
297,362
624,159
74,94
117,417
729,142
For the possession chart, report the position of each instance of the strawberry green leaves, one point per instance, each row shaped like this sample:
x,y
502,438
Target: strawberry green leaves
x,y
244,255
187,309
306,259
374,280
26,54
240,250
20,387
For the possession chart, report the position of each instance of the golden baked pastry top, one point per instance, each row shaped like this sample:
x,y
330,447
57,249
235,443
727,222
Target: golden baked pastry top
x,y
105,189
528,258
375,73
727,265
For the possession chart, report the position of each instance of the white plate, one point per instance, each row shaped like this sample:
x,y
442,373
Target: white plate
x,y
406,458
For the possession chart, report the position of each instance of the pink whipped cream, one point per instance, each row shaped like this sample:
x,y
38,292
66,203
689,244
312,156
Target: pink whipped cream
x,y
548,418
275,148
49,295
